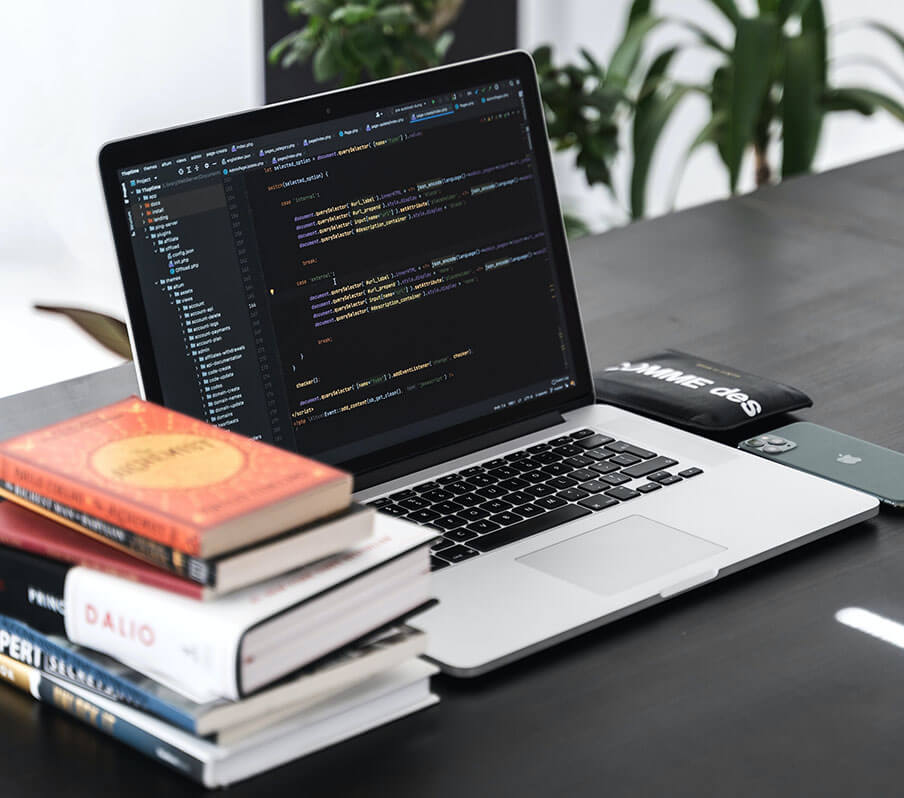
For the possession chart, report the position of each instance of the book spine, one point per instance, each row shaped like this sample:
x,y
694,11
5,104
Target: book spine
x,y
31,590
47,690
22,677
155,632
14,473
195,569
32,649
52,692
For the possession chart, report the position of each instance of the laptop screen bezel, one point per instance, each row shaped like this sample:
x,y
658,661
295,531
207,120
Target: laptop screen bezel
x,y
130,152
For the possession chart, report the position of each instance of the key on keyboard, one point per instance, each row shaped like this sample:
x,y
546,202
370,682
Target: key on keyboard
x,y
509,498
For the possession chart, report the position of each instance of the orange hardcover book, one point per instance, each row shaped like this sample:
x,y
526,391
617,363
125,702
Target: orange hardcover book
x,y
136,467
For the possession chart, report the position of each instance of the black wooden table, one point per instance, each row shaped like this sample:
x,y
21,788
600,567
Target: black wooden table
x,y
745,687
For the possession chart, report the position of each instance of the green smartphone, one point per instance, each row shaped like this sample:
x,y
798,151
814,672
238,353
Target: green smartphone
x,y
826,453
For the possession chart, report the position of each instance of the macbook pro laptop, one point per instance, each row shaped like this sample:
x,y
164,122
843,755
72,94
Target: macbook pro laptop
x,y
378,277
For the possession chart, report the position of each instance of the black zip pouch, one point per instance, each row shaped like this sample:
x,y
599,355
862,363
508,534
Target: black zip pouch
x,y
694,393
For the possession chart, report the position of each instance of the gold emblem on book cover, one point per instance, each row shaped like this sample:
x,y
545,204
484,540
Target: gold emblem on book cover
x,y
168,461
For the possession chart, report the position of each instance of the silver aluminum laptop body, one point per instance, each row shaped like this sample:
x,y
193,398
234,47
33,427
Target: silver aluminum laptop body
x,y
529,594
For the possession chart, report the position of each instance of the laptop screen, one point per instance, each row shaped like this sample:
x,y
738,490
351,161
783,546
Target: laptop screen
x,y
343,287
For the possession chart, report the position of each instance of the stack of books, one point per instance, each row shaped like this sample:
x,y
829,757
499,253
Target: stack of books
x,y
217,603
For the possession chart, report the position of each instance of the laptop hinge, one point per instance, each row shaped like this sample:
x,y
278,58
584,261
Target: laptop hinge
x,y
459,449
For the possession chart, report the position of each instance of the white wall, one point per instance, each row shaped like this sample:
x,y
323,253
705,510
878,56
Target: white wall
x,y
598,26
72,76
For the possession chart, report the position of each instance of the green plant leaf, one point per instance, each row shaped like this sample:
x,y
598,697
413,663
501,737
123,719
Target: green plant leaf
x,y
108,331
301,50
543,58
783,9
840,100
443,43
293,8
639,9
648,127
730,9
874,63
627,54
858,98
596,170
313,8
646,137
278,48
656,72
895,37
654,106
702,34
328,60
790,8
752,59
422,51
707,135
580,111
802,109
397,16
720,101
594,65
352,14
891,33
803,86
367,58
813,23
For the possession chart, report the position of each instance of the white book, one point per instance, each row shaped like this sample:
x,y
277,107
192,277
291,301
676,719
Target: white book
x,y
239,643
228,722
374,702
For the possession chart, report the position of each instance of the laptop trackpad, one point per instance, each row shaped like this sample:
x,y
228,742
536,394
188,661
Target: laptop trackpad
x,y
620,555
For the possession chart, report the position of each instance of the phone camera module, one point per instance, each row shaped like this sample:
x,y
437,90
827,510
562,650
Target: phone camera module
x,y
778,445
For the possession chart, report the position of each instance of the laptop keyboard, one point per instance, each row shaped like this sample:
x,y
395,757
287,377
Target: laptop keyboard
x,y
483,507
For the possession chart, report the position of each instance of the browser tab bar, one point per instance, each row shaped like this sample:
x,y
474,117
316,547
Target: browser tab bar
x,y
432,113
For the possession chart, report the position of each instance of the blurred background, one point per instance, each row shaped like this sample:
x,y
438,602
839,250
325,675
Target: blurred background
x,y
630,87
